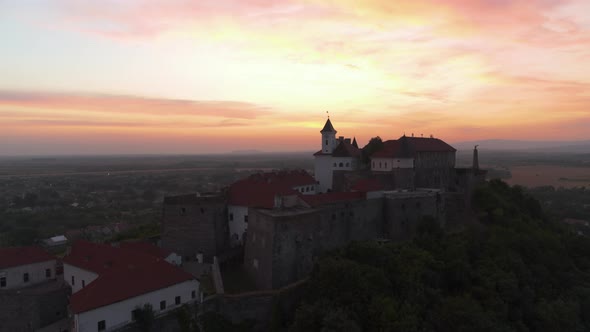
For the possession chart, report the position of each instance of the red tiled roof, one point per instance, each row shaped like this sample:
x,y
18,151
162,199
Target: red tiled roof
x,y
125,283
101,258
321,152
17,256
259,190
124,272
146,248
346,149
407,147
366,185
332,197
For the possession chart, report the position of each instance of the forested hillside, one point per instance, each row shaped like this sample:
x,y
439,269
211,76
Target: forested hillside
x,y
515,271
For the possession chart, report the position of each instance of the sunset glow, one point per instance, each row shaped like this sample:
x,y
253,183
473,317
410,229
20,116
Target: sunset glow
x,y
216,76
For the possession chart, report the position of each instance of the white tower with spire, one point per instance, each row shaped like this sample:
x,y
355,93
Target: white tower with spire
x,y
323,158
328,138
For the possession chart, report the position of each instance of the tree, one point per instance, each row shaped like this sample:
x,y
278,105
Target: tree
x,y
145,317
375,144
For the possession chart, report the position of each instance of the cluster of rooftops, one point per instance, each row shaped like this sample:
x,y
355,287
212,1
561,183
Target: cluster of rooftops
x,y
125,271
404,147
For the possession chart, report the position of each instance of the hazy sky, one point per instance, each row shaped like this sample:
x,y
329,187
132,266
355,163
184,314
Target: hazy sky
x,y
213,76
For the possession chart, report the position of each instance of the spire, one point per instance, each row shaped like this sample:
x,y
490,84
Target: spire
x,y
328,127
354,143
475,158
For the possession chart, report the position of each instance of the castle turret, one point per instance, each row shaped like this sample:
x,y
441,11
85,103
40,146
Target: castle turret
x,y
475,158
328,138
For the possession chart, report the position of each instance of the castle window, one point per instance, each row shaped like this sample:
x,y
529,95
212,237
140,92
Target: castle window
x,y
26,277
177,300
335,165
182,211
162,305
102,325
373,164
245,219
347,164
73,281
231,217
47,273
3,282
193,294
341,165
385,165
202,210
326,142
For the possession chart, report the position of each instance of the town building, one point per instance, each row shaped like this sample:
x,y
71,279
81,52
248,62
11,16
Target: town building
x,y
109,283
31,294
260,191
25,266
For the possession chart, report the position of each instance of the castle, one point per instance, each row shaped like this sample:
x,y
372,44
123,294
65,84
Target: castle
x,y
283,220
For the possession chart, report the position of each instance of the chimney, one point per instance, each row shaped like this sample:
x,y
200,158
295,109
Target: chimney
x,y
475,158
278,202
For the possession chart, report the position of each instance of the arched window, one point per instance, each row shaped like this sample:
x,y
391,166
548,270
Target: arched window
x,y
335,165
340,165
379,164
347,164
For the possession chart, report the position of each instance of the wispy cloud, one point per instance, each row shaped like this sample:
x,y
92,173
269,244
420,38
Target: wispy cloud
x,y
132,105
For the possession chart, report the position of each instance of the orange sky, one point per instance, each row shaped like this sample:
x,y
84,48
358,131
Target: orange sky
x,y
217,76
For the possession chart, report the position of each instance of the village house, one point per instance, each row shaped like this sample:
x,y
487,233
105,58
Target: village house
x,y
25,266
109,283
32,296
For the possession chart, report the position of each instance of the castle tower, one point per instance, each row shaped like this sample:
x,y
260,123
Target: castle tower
x,y
323,159
475,159
328,137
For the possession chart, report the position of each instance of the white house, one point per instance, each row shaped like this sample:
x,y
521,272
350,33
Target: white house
x,y
109,283
260,191
337,154
25,266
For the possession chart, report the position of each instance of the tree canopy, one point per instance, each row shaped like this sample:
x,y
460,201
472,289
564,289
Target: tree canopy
x,y
515,271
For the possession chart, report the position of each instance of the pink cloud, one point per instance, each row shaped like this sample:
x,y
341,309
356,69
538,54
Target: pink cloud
x,y
132,105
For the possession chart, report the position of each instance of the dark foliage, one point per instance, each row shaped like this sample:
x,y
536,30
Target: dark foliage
x,y
515,272
375,144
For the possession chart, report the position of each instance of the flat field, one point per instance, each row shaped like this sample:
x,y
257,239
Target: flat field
x,y
550,175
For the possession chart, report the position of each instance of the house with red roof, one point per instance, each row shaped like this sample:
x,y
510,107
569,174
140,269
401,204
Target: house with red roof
x,y
262,191
110,282
413,152
25,266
